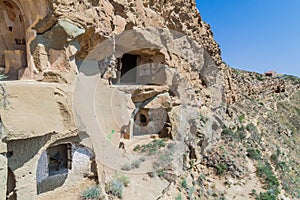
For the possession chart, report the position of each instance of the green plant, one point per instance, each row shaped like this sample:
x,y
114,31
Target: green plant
x,y
269,195
253,193
254,154
93,193
192,162
281,165
190,191
264,170
126,167
184,183
115,188
274,158
160,173
178,197
250,127
201,178
241,118
142,159
298,111
122,177
259,77
221,168
137,148
241,133
226,131
135,164
150,148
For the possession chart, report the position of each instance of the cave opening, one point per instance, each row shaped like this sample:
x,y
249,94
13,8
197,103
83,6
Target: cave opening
x,y
59,159
129,68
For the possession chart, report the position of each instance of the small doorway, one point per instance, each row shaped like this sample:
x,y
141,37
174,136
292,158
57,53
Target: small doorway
x,y
59,159
129,68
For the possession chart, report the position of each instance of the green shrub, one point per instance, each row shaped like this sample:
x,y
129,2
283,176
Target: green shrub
x,y
150,148
178,197
126,167
160,173
254,154
264,170
241,133
221,168
142,159
250,127
227,132
137,148
122,177
281,165
93,193
274,158
191,191
241,118
269,195
135,164
115,188
184,183
260,77
201,179
298,111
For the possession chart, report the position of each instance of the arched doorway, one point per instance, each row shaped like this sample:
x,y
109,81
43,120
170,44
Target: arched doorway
x,y
11,185
12,39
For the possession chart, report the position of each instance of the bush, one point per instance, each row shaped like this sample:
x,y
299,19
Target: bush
x,y
264,170
115,188
281,165
191,191
161,173
184,183
269,195
123,178
137,148
142,159
226,131
93,193
250,127
254,154
178,197
221,168
241,118
241,133
135,164
274,158
150,148
126,167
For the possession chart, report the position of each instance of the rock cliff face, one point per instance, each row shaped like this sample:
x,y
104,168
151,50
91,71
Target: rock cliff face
x,y
122,89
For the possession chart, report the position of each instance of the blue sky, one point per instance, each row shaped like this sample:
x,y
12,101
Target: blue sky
x,y
256,35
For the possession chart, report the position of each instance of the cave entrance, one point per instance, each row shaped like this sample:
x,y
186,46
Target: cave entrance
x,y
129,68
12,40
141,119
11,186
59,159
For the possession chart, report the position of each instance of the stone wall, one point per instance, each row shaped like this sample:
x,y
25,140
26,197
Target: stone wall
x,y
42,168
